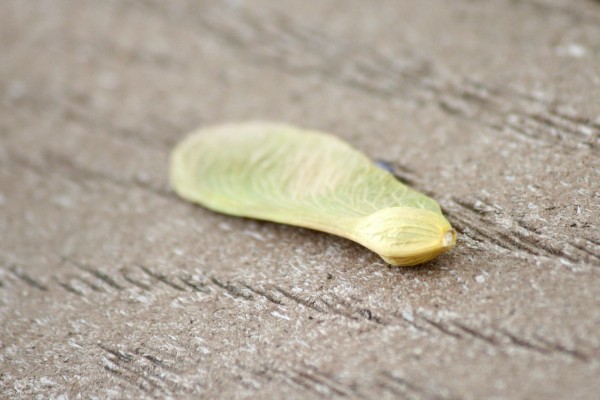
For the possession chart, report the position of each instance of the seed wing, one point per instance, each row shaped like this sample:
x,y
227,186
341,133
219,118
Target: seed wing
x,y
283,174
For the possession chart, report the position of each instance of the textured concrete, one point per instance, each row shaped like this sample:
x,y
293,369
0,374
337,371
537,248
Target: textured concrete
x,y
111,286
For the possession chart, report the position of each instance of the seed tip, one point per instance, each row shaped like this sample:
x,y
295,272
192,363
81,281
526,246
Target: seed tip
x,y
448,240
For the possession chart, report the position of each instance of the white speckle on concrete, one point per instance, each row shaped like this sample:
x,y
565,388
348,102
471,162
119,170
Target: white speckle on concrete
x,y
225,226
74,345
254,235
47,381
571,50
566,262
586,130
276,314
141,299
63,201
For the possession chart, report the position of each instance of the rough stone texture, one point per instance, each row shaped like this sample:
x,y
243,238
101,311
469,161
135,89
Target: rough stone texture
x,y
111,286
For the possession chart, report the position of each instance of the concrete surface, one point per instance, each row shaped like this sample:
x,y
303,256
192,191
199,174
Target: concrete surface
x,y
110,286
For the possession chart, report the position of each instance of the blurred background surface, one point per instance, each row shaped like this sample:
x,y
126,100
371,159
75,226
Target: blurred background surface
x,y
111,286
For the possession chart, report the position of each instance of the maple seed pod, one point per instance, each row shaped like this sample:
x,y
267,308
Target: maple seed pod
x,y
280,173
